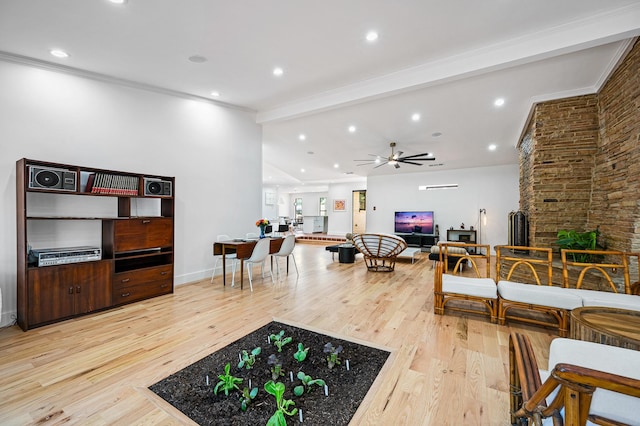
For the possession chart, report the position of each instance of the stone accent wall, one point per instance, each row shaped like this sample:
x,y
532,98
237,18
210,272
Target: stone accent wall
x,y
580,163
559,161
616,184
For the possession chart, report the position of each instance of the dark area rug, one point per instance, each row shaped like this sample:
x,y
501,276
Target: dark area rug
x,y
187,389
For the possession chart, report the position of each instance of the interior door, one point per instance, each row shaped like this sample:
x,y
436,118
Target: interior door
x,y
359,214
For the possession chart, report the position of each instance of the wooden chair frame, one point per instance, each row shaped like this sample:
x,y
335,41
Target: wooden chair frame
x,y
441,298
558,318
577,384
635,286
597,266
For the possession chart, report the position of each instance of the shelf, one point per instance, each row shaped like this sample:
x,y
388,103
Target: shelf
x,y
131,222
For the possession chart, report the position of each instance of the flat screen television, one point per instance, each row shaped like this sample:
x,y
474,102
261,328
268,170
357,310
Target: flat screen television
x,y
413,223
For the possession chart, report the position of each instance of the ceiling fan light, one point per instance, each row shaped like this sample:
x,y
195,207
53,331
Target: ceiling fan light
x,y
393,162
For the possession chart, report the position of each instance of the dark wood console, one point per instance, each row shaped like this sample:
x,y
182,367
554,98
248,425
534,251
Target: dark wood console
x,y
137,251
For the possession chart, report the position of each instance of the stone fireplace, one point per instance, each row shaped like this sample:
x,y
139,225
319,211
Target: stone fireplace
x,y
580,163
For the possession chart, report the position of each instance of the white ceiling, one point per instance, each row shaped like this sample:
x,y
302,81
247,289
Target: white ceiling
x,y
446,60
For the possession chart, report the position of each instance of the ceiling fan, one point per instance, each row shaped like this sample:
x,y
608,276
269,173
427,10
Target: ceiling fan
x,y
396,158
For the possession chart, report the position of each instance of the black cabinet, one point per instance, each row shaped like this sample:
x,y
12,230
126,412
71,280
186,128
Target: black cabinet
x,y
419,240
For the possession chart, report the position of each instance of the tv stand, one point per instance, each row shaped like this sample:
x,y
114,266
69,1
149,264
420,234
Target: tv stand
x,y
419,240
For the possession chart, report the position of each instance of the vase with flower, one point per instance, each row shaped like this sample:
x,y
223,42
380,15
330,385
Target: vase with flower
x,y
262,224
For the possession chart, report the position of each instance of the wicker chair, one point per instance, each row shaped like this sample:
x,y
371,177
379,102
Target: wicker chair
x,y
380,250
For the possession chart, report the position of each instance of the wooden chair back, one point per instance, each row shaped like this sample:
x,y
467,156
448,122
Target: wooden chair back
x,y
524,257
634,265
474,253
611,263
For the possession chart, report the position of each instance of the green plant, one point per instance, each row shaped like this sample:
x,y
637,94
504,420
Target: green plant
x,y
301,354
248,359
279,340
332,358
573,240
307,382
227,381
247,397
282,405
276,370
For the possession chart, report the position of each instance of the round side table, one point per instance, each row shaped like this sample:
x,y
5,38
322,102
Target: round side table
x,y
610,326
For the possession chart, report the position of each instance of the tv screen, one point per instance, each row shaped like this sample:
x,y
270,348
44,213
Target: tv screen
x,y
414,222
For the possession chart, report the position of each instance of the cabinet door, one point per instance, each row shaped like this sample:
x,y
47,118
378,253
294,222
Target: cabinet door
x,y
51,294
92,283
140,234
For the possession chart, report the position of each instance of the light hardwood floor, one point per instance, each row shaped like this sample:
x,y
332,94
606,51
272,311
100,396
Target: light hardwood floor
x,y
444,370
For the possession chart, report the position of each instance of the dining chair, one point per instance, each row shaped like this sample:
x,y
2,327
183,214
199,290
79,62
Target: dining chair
x,y
251,236
258,256
286,250
229,257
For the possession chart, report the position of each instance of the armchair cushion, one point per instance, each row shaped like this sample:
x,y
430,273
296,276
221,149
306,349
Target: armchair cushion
x,y
541,295
479,287
610,299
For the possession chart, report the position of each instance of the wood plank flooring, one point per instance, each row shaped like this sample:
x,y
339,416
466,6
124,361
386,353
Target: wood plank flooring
x,y
445,370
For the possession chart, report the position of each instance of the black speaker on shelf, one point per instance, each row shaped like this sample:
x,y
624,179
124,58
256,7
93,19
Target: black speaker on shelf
x,y
157,187
41,177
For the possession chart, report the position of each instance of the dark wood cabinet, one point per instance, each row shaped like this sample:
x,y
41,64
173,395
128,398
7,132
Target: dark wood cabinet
x,y
137,252
57,292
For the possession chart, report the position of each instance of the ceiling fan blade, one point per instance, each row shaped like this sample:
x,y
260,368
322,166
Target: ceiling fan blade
x,y
425,154
410,162
396,165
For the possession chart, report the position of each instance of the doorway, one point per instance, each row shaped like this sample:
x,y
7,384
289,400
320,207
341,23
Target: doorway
x,y
359,214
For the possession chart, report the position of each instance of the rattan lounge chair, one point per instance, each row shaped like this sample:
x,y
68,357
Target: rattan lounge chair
x,y
380,250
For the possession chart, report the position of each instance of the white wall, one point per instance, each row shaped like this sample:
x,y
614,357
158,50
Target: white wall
x,y
52,116
340,223
492,188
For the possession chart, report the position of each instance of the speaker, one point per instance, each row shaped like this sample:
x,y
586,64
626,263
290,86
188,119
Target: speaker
x,y
157,187
52,178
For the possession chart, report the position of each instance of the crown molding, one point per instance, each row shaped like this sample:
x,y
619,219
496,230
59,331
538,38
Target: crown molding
x,y
49,66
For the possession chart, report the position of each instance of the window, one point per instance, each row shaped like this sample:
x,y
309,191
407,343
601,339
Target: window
x,y
323,206
298,209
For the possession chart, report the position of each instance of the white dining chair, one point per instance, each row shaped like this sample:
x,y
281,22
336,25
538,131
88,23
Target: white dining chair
x,y
258,256
229,257
286,250
251,236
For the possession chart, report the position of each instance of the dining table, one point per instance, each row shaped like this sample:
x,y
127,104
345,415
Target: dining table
x,y
243,248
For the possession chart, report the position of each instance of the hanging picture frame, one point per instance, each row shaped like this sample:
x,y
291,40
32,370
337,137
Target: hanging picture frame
x,y
339,205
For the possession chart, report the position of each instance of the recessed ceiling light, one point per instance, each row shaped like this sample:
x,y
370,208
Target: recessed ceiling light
x,y
377,160
302,136
436,134
59,53
310,152
493,147
118,1
198,59
352,129
415,117
335,166
215,94
278,71
372,36
302,170
499,102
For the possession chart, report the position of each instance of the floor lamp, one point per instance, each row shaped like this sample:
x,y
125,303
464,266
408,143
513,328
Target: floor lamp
x,y
482,220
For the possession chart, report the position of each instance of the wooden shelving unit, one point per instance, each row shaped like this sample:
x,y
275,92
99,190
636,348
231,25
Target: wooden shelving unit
x,y
137,251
